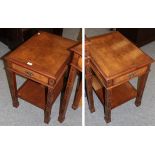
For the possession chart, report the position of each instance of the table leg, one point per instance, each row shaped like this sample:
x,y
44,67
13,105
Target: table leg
x,y
67,94
89,90
140,88
11,76
48,106
78,96
64,86
107,107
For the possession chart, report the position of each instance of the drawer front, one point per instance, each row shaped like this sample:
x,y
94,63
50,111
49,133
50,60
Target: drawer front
x,y
129,76
30,73
80,63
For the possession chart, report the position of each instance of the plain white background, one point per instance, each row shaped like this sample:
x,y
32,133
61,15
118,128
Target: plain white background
x,y
77,140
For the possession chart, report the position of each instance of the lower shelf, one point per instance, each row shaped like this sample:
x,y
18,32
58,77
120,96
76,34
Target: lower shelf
x,y
120,94
33,93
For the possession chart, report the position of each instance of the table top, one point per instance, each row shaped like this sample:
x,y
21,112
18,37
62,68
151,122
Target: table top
x,y
44,52
114,54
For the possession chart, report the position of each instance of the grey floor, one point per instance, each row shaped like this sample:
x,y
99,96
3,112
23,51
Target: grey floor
x,y
127,114
27,114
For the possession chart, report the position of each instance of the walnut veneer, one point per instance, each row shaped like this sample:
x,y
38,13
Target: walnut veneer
x,y
112,61
43,60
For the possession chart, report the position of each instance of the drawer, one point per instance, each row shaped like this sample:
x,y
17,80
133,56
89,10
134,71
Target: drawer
x,y
80,63
129,76
29,73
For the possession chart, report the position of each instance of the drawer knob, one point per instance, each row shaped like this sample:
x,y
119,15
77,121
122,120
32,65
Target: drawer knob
x,y
29,63
28,73
131,75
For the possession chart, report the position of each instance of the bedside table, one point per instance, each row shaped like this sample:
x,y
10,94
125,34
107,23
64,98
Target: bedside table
x,y
76,68
43,61
114,60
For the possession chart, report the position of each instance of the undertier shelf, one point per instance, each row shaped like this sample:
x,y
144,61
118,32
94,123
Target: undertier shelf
x,y
120,94
33,93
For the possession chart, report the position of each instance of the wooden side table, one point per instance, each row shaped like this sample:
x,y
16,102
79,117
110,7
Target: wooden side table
x,y
76,67
114,61
43,61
